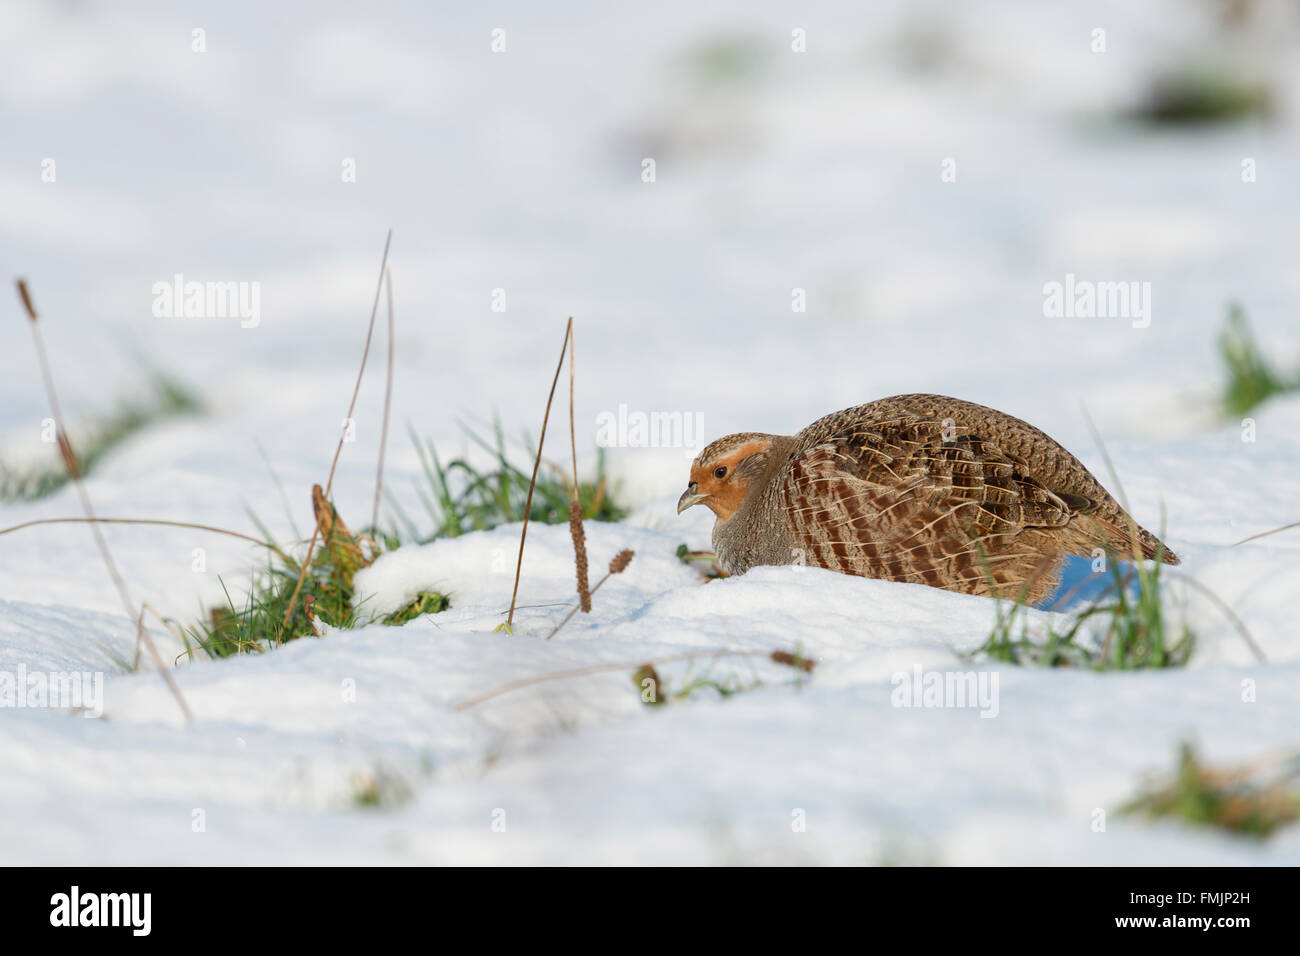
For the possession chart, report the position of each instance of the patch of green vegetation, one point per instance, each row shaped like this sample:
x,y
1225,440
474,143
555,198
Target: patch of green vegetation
x,y
326,595
1124,628
459,497
726,60
655,691
97,439
379,789
727,687
426,602
647,682
260,625
1247,801
1204,95
705,562
1250,379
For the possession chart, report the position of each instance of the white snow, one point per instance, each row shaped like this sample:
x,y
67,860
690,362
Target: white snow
x,y
521,171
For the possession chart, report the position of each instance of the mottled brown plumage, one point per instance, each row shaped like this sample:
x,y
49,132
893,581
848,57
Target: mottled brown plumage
x,y
919,488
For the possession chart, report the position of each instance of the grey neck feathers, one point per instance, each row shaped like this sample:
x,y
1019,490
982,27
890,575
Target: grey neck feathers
x,y
734,540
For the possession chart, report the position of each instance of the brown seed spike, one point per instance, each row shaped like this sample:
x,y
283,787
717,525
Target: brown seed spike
x,y
27,299
647,680
621,561
69,456
804,664
580,555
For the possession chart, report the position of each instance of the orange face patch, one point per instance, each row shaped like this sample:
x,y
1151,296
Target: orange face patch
x,y
725,493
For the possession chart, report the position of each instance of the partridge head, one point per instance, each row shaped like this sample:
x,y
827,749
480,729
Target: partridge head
x,y
722,474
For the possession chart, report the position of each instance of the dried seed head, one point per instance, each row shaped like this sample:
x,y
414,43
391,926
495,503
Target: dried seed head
x,y
804,664
647,681
323,511
580,555
27,299
69,456
621,561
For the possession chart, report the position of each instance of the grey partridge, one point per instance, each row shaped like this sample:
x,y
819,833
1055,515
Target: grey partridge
x,y
919,488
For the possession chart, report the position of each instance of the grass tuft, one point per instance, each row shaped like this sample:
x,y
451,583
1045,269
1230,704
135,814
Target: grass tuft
x,y
168,399
726,61
1204,95
1250,379
1251,800
1124,628
655,691
271,615
705,562
379,789
426,602
460,498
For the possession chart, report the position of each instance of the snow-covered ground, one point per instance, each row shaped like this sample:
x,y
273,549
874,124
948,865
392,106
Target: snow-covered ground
x,y
517,176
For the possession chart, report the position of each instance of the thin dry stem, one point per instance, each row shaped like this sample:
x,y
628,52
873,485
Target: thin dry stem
x,y
532,482
74,472
148,521
1227,612
171,628
1265,534
388,402
617,566
356,390
573,434
605,668
162,667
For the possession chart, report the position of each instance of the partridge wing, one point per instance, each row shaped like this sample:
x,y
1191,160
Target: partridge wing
x,y
913,498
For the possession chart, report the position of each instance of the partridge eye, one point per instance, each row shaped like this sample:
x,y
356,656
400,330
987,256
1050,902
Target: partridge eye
x,y
720,472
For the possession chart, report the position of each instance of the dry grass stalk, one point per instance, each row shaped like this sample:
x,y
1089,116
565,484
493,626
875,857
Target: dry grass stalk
x,y
1253,799
74,472
388,402
147,521
1265,534
69,456
1231,615
532,483
606,668
616,566
356,390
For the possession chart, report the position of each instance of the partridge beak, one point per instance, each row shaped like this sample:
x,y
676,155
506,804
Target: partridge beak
x,y
691,496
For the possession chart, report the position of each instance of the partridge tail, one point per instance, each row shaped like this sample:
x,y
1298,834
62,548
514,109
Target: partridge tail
x,y
1118,536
